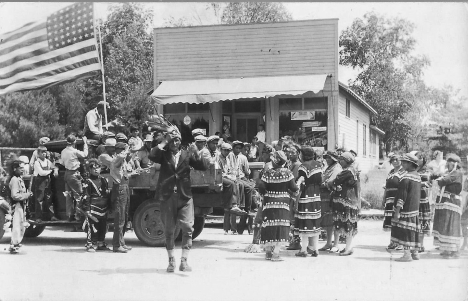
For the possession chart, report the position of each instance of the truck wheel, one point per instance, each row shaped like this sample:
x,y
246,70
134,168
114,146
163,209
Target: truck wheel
x,y
148,225
198,225
2,222
34,230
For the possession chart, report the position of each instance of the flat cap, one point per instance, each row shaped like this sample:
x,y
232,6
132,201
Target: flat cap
x,y
212,138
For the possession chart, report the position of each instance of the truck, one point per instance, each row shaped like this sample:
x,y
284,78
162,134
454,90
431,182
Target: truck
x,y
144,209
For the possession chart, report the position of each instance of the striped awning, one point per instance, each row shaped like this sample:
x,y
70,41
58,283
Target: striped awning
x,y
213,90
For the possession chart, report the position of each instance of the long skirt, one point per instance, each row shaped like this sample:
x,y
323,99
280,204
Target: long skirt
x,y
447,220
326,219
345,216
275,220
389,209
307,217
19,222
425,215
406,231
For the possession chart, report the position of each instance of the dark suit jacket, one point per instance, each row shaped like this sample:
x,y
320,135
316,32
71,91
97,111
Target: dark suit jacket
x,y
171,175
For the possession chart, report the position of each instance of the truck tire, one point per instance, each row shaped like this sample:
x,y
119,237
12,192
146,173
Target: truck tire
x,y
2,222
148,225
34,230
198,225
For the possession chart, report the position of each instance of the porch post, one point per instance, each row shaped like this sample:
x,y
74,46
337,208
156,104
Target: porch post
x,y
216,117
272,119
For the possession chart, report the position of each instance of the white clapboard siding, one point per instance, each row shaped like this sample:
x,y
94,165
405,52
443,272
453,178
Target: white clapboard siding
x,y
229,51
354,136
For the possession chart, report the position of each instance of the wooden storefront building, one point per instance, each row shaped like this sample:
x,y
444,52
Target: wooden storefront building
x,y
235,77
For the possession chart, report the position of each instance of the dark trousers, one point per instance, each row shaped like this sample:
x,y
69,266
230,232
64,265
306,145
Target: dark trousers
x,y
177,211
121,199
230,222
91,135
230,193
73,187
43,197
246,189
97,231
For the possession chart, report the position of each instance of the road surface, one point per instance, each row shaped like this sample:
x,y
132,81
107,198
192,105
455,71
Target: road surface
x,y
54,266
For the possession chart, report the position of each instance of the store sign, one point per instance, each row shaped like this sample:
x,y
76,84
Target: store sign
x,y
319,129
187,120
310,124
304,115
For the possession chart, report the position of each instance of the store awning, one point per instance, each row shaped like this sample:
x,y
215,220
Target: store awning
x,y
212,90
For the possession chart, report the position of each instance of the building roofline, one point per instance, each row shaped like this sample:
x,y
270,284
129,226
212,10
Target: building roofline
x,y
377,129
358,98
246,24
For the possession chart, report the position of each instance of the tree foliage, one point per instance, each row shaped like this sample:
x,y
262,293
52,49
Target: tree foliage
x,y
26,117
390,77
254,12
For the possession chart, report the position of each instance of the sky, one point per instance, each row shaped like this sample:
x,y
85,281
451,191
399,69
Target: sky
x,y
441,28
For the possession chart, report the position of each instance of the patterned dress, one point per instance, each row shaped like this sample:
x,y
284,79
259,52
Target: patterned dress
x,y
276,217
328,176
406,231
307,217
425,216
391,187
345,203
447,216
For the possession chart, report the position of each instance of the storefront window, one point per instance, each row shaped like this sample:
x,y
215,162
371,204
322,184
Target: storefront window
x,y
247,106
316,103
305,120
174,108
198,108
287,104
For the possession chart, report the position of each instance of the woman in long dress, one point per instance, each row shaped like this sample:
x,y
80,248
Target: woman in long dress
x,y
307,217
345,203
448,210
405,223
391,187
275,186
328,176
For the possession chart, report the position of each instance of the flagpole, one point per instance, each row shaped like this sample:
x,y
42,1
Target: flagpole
x,y
103,79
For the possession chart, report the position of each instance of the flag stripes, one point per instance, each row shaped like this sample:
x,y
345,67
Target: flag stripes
x,y
41,54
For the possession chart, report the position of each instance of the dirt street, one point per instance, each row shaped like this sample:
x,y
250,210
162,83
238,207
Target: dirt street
x,y
55,266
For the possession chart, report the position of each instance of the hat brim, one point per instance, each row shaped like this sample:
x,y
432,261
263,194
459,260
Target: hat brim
x,y
407,160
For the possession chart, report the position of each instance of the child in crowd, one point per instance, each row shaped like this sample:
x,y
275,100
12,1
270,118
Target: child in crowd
x,y
19,198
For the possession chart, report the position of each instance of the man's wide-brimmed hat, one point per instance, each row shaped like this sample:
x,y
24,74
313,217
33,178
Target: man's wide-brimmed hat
x,y
347,157
454,158
331,155
409,157
279,158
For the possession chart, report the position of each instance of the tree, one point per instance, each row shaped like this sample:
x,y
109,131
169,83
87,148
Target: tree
x,y
254,12
390,75
127,47
25,117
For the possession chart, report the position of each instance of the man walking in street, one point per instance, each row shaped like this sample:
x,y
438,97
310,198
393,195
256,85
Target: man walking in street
x,y
175,192
71,160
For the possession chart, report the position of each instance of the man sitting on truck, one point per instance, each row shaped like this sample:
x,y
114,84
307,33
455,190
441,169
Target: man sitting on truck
x,y
240,169
175,192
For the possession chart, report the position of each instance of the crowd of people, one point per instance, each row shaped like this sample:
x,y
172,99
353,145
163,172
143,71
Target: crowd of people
x,y
301,193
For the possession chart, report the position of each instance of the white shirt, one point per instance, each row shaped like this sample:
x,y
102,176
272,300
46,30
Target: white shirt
x,y
93,122
43,168
261,136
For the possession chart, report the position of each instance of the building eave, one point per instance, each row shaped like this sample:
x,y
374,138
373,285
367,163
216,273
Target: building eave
x,y
357,97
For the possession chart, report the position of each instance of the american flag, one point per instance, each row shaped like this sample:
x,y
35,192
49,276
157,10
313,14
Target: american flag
x,y
45,53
